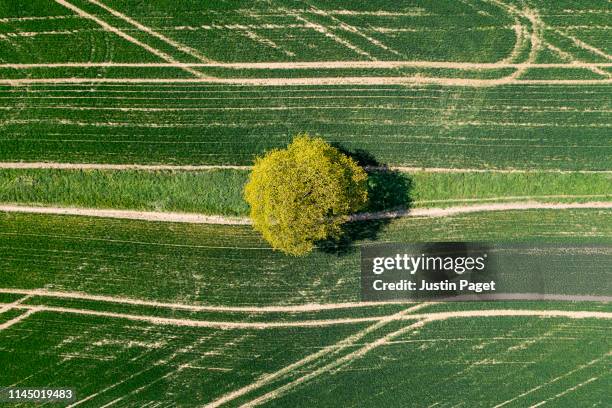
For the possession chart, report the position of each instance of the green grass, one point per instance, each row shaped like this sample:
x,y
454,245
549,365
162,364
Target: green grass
x,y
232,265
208,192
441,189
219,192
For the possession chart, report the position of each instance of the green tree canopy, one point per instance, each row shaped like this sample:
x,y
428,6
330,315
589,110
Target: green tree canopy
x,y
304,193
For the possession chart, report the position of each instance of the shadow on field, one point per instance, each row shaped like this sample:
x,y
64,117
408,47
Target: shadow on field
x,y
388,190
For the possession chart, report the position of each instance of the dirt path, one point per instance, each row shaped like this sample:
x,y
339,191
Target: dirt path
x,y
130,215
96,166
316,65
445,212
228,325
304,308
17,319
330,81
203,167
307,308
193,218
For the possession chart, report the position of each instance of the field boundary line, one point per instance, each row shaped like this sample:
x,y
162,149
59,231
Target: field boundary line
x,y
194,218
198,308
229,325
408,169
200,167
148,30
126,36
314,65
329,81
282,373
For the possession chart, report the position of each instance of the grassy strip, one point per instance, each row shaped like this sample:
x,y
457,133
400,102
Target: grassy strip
x,y
232,265
208,192
220,191
441,189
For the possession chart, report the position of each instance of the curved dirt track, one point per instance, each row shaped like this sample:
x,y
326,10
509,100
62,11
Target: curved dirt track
x,y
300,308
203,167
315,65
405,81
225,325
193,218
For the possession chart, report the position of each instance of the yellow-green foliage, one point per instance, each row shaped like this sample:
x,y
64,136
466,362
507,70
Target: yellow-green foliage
x,y
303,193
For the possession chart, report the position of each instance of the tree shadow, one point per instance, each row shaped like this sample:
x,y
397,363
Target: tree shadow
x,y
388,190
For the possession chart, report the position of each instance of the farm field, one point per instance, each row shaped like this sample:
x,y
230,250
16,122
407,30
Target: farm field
x,y
519,126
160,331
168,364
214,264
477,120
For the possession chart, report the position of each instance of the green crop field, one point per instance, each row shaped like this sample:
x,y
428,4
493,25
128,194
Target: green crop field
x,y
525,127
128,270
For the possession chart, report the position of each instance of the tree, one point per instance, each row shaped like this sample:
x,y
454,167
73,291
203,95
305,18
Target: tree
x,y
304,193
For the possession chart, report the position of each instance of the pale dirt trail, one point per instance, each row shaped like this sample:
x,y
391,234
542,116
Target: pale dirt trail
x,y
130,215
17,319
193,218
445,212
330,81
315,65
203,167
126,36
96,166
301,308
306,308
9,306
225,325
